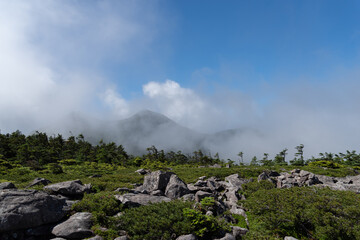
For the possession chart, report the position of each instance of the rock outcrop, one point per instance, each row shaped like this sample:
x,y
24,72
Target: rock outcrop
x,y
176,188
22,209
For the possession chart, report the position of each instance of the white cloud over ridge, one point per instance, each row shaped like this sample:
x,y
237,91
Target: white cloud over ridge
x,y
51,52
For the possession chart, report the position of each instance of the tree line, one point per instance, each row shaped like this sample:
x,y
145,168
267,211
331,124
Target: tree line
x,y
39,149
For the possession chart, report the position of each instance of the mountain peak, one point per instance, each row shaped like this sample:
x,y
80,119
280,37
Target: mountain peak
x,y
147,115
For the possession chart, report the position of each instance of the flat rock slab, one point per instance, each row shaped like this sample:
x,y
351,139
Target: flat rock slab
x,y
78,226
22,209
70,188
133,200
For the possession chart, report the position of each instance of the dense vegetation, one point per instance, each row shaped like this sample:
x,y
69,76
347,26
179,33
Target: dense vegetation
x,y
39,149
305,213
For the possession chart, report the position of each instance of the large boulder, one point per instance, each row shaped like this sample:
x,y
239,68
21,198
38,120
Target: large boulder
x,y
78,226
176,188
22,209
157,180
134,200
7,185
72,189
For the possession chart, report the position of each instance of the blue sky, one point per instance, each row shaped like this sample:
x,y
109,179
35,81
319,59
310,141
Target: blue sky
x,y
289,69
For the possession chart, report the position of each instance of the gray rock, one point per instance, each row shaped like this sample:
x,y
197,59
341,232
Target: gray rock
x,y
40,231
78,226
157,180
97,237
134,200
232,196
95,176
157,193
22,209
58,238
234,180
7,185
188,197
238,232
227,236
187,237
238,211
38,181
142,171
176,188
124,189
200,183
201,194
70,188
202,178
215,166
122,238
290,238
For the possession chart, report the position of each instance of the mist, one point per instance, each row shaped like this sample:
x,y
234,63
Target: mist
x,y
52,80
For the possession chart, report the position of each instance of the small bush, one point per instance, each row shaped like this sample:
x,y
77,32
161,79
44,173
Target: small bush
x,y
203,226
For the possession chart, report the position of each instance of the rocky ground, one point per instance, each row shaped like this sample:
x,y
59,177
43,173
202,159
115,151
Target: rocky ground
x,y
31,214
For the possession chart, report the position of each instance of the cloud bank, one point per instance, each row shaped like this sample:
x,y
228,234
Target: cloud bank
x,y
51,69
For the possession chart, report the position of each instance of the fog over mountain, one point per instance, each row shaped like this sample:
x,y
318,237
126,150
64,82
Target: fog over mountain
x,y
147,128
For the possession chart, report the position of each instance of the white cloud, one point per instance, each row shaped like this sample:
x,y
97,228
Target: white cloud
x,y
52,52
179,103
118,105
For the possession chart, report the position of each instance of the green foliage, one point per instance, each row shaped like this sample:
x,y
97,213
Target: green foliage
x,y
249,188
326,164
55,168
240,220
304,213
203,226
207,202
68,162
156,221
101,205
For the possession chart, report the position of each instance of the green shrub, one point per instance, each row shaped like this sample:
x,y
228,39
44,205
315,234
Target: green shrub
x,y
249,188
55,168
207,203
203,226
68,162
306,213
240,220
156,221
101,205
326,164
